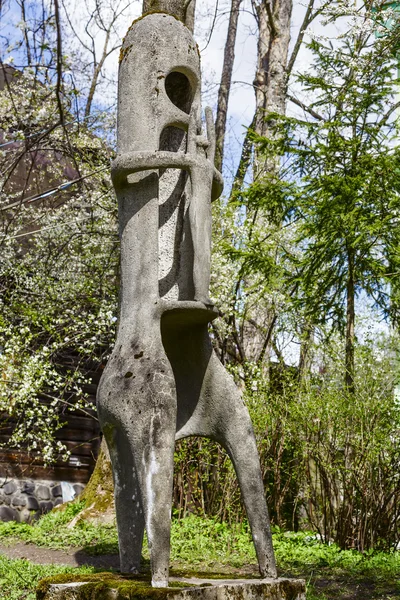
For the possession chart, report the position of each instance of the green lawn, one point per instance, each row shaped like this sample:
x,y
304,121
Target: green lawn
x,y
205,545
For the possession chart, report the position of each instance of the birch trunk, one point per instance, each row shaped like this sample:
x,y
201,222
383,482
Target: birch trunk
x,y
270,86
270,82
225,85
350,321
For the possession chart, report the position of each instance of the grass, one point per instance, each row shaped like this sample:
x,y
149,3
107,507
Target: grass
x,y
204,545
19,577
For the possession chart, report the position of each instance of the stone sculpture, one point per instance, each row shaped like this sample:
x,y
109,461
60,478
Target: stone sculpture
x,y
163,381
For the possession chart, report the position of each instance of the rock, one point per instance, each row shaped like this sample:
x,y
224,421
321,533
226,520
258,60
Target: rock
x,y
58,502
8,514
19,501
56,491
45,507
10,488
32,503
43,492
26,516
28,487
78,487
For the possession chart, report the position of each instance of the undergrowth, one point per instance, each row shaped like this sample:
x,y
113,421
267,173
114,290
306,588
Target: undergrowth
x,y
19,577
201,545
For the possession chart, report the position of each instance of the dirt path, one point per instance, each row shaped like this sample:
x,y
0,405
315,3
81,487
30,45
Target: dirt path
x,y
73,557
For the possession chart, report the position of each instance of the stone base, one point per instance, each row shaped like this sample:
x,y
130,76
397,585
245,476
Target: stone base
x,y
107,586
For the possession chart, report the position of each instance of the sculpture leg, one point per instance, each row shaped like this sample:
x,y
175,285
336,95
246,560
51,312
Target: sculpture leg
x,y
210,405
137,410
235,434
143,477
156,475
128,506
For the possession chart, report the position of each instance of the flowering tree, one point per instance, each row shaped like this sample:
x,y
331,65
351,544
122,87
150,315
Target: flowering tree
x,y
58,240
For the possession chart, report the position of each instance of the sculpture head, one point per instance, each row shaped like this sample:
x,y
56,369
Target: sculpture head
x,y
159,82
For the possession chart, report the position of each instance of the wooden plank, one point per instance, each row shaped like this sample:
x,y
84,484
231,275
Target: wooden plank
x,y
75,420
84,449
76,435
25,458
81,422
53,473
77,448
63,435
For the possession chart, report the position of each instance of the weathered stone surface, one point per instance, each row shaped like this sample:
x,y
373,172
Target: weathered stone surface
x,y
9,488
32,503
28,487
163,381
26,494
56,491
198,589
18,501
78,487
8,514
26,516
45,506
43,492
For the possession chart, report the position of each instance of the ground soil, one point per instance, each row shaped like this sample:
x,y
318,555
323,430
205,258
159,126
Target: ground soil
x,y
72,556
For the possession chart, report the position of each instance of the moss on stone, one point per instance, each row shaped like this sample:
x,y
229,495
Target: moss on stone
x,y
99,492
192,573
98,584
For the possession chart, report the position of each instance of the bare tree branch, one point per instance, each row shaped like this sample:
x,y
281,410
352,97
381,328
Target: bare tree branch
x,y
306,108
308,18
306,21
59,62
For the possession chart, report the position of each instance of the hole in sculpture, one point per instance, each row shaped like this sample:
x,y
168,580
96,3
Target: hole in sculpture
x,y
179,90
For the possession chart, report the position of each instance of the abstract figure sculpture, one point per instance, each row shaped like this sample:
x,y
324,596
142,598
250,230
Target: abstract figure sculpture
x,y
163,381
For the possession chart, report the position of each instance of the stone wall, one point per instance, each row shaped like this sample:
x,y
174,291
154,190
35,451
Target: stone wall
x,y
24,500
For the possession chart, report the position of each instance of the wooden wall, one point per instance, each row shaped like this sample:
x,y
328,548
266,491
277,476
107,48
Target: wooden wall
x,y
80,434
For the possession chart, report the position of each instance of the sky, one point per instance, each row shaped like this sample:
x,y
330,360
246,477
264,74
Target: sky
x,y
241,102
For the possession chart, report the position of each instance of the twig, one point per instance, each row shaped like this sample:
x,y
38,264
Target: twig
x,y
310,111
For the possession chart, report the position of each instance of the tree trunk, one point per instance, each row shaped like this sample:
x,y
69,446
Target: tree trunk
x,y
270,86
305,352
270,83
96,74
350,318
225,85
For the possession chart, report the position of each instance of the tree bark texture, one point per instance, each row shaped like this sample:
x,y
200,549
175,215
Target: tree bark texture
x,y
225,85
182,9
270,82
350,319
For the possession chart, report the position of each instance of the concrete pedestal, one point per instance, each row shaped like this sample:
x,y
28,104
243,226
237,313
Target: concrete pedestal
x,y
106,586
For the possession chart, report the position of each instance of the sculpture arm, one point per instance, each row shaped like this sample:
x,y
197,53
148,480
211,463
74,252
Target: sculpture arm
x,y
133,162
